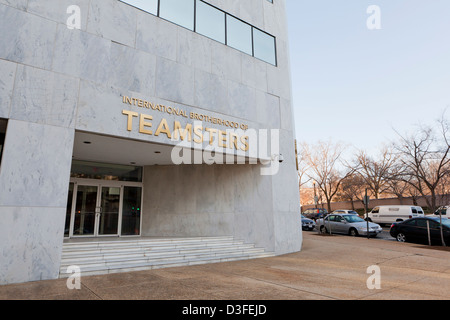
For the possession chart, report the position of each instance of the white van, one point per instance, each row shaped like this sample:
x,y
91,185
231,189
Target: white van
x,y
442,211
391,214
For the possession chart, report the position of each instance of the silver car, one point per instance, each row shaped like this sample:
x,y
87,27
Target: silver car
x,y
347,224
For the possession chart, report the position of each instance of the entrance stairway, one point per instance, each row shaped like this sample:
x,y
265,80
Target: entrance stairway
x,y
114,256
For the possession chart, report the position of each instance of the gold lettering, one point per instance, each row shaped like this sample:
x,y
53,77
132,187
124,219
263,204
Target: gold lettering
x,y
198,131
234,141
130,115
222,139
183,133
244,140
212,132
163,128
143,124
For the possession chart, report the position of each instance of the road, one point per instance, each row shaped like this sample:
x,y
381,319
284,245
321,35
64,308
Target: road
x,y
382,236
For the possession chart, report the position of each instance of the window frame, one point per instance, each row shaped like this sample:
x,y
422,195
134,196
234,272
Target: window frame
x,y
226,14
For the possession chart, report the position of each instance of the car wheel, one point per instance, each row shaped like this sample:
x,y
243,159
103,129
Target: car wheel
x,y
323,229
401,237
353,232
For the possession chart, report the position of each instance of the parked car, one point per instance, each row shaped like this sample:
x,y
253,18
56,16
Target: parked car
x,y
315,213
345,211
308,224
416,230
390,214
348,224
442,211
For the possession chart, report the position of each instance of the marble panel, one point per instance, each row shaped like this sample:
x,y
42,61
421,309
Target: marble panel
x,y
268,107
286,115
175,82
7,75
252,12
133,70
56,10
255,227
36,165
31,241
100,110
287,232
15,45
242,101
44,97
19,4
223,185
194,50
82,55
226,62
114,20
156,36
254,72
211,92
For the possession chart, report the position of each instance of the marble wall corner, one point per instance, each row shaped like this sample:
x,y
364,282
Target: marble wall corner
x,y
44,97
114,20
31,240
7,76
15,45
36,165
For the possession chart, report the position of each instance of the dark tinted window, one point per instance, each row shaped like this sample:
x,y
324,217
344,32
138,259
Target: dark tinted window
x,y
2,137
104,171
421,223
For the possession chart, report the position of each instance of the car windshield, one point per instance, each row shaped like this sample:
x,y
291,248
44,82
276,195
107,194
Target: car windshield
x,y
353,219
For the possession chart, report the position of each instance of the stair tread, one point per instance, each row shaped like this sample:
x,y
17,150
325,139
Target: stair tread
x,y
120,256
162,256
153,263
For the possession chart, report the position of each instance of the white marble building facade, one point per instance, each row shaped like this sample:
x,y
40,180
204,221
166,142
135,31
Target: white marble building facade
x,y
60,87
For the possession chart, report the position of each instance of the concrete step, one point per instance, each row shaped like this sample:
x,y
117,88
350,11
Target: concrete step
x,y
102,257
179,262
117,242
141,247
161,256
83,256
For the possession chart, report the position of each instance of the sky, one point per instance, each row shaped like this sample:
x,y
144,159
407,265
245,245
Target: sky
x,y
354,85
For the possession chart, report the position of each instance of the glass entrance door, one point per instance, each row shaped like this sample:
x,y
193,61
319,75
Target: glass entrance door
x,y
86,211
108,217
96,209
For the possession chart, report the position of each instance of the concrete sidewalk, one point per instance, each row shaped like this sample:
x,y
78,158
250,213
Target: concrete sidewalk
x,y
327,268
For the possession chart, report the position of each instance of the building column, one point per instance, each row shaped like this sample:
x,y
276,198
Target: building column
x,y
34,179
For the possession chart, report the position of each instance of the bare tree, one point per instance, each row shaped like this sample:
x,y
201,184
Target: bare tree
x,y
425,161
375,172
303,167
352,189
325,167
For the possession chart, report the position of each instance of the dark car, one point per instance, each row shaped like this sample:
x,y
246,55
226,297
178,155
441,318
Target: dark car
x,y
308,224
416,230
315,213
